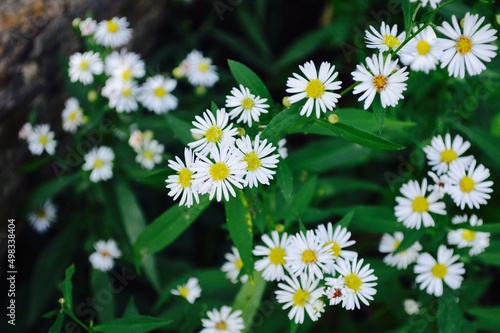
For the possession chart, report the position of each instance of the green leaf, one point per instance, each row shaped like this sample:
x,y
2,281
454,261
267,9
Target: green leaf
x,y
364,120
493,228
100,283
131,214
300,201
137,324
181,128
252,29
484,141
293,326
57,326
346,220
246,77
407,15
213,107
411,236
49,190
239,223
240,47
450,318
131,309
486,318
379,219
285,179
256,208
67,287
166,228
249,298
282,123
379,114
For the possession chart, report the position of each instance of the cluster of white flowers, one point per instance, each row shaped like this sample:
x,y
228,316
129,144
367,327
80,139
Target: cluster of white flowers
x,y
199,70
312,268
39,138
149,151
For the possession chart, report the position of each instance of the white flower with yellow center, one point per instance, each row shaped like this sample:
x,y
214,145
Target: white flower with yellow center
x,y
190,291
272,265
358,280
25,131
317,87
300,295
413,209
41,138
223,321
411,306
469,186
105,253
381,77
386,39
467,49
431,272
440,185
113,33
478,241
124,65
423,52
218,175
245,105
258,159
181,184
307,255
441,153
200,71
214,131
156,94
43,217
336,241
83,67
233,266
100,161
336,290
88,26
390,243
433,3
122,95
149,154
72,115
282,149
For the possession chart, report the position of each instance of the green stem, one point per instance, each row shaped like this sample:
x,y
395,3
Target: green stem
x,y
351,87
78,321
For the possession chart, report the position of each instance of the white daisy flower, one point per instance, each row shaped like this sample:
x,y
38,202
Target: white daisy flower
x,y
100,161
306,254
136,139
317,87
441,153
282,149
245,105
149,154
122,95
358,280
433,3
478,241
273,263
43,217
299,294
106,252
233,266
411,306
88,26
25,131
440,186
223,321
113,33
214,131
41,138
72,115
258,159
423,52
200,71
386,39
431,272
181,184
413,209
83,67
336,241
190,291
156,94
380,77
467,49
469,187
336,290
390,243
124,65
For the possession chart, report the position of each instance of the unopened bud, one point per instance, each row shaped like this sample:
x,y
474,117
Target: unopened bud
x,y
241,131
279,228
333,118
178,73
200,90
148,135
61,301
92,96
286,102
76,23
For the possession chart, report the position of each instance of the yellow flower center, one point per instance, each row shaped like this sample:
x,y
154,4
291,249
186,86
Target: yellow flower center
x,y
353,281
185,177
300,297
335,248
84,65
73,115
44,139
315,89
183,291
464,45
219,171
98,163
203,66
420,204
448,156
41,214
247,103
277,256
159,92
423,47
221,325
213,134
238,264
380,82
396,244
113,26
127,74
467,184
308,256
253,161
127,92
468,235
439,271
148,154
391,41
105,254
